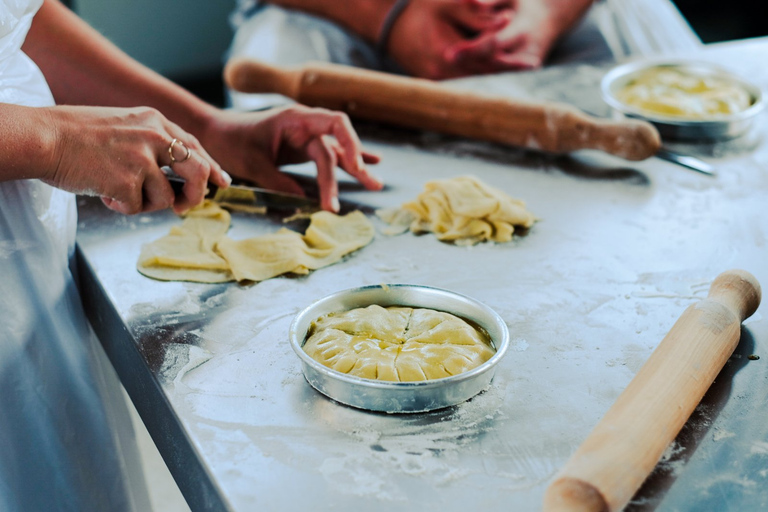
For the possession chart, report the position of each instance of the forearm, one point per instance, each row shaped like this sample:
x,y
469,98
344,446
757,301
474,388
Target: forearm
x,y
364,19
564,14
28,143
83,68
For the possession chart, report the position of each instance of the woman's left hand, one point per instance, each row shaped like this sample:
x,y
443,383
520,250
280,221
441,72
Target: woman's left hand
x,y
525,42
251,145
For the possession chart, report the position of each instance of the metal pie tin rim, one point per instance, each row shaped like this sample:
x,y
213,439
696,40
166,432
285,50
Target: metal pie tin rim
x,y
679,127
491,322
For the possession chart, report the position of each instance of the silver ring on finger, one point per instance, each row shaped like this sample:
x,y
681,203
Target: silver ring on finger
x,y
187,151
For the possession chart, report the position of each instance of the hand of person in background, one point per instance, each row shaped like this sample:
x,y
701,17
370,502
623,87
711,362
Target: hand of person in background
x,y
525,42
425,36
251,145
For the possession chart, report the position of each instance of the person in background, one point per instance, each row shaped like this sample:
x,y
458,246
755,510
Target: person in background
x,y
78,115
435,39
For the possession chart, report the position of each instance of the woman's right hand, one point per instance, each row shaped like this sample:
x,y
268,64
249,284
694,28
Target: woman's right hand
x,y
117,153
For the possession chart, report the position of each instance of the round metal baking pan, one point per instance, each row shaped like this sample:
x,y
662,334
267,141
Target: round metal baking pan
x,y
725,127
400,397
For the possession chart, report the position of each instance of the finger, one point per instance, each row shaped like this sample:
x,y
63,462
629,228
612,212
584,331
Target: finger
x,y
352,159
195,171
490,4
289,155
361,173
127,195
371,158
189,160
321,151
519,61
118,206
158,193
479,21
270,177
342,129
521,52
481,48
217,175
513,42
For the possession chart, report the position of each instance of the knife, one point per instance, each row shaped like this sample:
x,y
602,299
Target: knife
x,y
686,161
250,196
664,153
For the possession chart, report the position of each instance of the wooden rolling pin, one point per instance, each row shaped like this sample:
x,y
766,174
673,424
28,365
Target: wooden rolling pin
x,y
427,105
625,446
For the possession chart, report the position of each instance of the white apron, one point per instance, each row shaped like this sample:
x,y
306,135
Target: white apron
x,y
66,441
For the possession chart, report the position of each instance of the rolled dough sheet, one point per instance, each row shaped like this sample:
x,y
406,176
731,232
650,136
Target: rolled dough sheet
x,y
397,344
238,200
463,210
327,239
199,249
187,252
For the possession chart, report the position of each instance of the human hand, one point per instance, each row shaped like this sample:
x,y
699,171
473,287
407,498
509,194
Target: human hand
x,y
117,153
423,38
251,145
525,42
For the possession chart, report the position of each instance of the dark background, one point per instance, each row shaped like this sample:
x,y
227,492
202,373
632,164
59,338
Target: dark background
x,y
726,20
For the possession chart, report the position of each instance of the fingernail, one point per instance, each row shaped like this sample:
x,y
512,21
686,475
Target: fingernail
x,y
335,205
226,176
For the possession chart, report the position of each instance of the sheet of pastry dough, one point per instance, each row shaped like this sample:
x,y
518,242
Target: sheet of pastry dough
x,y
199,250
239,200
397,343
463,210
327,239
187,252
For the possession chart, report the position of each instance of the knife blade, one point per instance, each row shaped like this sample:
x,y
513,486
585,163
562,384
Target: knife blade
x,y
664,153
251,196
690,162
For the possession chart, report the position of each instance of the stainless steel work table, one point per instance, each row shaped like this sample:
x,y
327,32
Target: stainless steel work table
x,y
620,251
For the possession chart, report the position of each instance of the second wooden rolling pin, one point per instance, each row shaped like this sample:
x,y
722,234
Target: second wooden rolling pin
x,y
625,446
427,105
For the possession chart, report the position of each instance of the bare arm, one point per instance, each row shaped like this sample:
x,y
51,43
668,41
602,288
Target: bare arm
x,y
28,140
424,34
364,19
115,153
82,67
118,152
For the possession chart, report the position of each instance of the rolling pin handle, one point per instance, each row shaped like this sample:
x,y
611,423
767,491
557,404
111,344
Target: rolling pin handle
x,y
574,495
252,76
738,290
631,139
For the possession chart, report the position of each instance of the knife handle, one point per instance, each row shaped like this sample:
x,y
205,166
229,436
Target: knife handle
x,y
177,184
427,105
627,443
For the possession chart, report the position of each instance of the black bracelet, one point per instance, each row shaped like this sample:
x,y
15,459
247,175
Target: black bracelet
x,y
386,26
